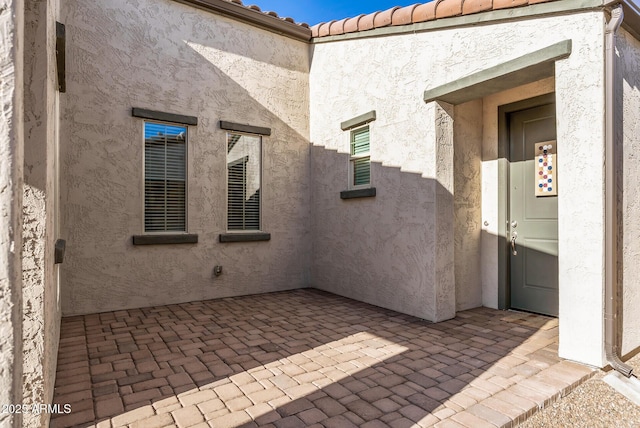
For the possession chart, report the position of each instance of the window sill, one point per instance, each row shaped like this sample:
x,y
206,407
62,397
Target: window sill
x,y
182,238
358,193
245,237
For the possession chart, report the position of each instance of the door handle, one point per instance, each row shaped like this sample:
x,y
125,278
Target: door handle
x,y
513,243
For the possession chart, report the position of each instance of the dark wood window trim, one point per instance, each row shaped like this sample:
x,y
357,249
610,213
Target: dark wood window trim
x,y
249,129
168,239
245,237
358,193
163,116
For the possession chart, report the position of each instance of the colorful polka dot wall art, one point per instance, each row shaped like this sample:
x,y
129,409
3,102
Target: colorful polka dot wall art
x,y
546,180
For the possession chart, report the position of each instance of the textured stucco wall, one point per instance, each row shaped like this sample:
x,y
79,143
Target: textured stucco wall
x,y
162,55
627,89
580,130
467,199
490,184
11,158
389,74
41,307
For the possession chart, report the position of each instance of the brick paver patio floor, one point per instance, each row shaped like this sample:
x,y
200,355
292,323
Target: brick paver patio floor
x,y
306,358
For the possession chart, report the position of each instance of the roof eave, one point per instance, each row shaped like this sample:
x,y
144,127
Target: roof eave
x,y
631,21
253,17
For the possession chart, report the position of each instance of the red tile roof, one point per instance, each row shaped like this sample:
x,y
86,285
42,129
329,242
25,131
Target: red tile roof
x,y
419,12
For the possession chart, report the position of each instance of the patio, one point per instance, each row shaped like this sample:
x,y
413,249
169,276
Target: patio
x,y
306,358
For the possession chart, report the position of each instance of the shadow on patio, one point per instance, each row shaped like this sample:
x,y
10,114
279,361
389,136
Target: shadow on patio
x,y
306,357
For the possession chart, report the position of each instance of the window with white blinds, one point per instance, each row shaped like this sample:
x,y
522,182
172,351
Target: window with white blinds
x,y
244,167
360,161
165,186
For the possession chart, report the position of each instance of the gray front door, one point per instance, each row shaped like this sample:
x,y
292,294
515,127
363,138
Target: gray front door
x,y
533,220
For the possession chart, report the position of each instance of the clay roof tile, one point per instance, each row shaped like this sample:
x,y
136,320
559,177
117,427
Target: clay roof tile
x,y
447,8
475,6
337,27
383,19
315,30
367,22
424,12
324,29
403,15
504,4
351,25
254,7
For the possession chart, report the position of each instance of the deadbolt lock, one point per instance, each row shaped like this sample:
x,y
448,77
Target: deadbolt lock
x,y
514,224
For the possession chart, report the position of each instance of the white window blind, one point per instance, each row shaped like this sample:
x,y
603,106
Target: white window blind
x,y
164,177
243,181
360,174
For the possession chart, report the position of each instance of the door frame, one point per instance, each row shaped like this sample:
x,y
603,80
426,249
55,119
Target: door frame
x,y
504,281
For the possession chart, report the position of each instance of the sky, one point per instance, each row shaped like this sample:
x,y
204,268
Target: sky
x,y
315,11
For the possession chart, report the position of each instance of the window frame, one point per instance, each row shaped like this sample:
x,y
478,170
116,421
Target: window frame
x,y
186,179
353,158
260,228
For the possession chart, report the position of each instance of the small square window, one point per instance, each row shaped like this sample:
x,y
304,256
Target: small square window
x,y
244,181
360,159
165,179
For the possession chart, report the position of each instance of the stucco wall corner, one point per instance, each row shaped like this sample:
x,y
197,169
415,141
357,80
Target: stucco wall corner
x,y
445,305
580,134
467,200
627,137
11,167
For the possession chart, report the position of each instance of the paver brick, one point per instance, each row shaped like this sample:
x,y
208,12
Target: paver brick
x,y
470,420
231,420
187,416
386,405
338,422
336,391
239,403
330,406
110,407
137,397
402,422
374,394
265,395
290,422
132,416
157,421
363,409
312,416
491,415
228,391
301,390
300,368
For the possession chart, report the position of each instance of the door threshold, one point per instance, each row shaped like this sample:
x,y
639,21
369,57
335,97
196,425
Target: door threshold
x,y
523,311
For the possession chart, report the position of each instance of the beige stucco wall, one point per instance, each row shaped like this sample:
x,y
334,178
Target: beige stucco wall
x,y
41,308
467,199
165,56
579,82
363,250
11,158
627,90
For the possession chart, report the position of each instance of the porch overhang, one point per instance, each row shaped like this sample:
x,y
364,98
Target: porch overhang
x,y
528,68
